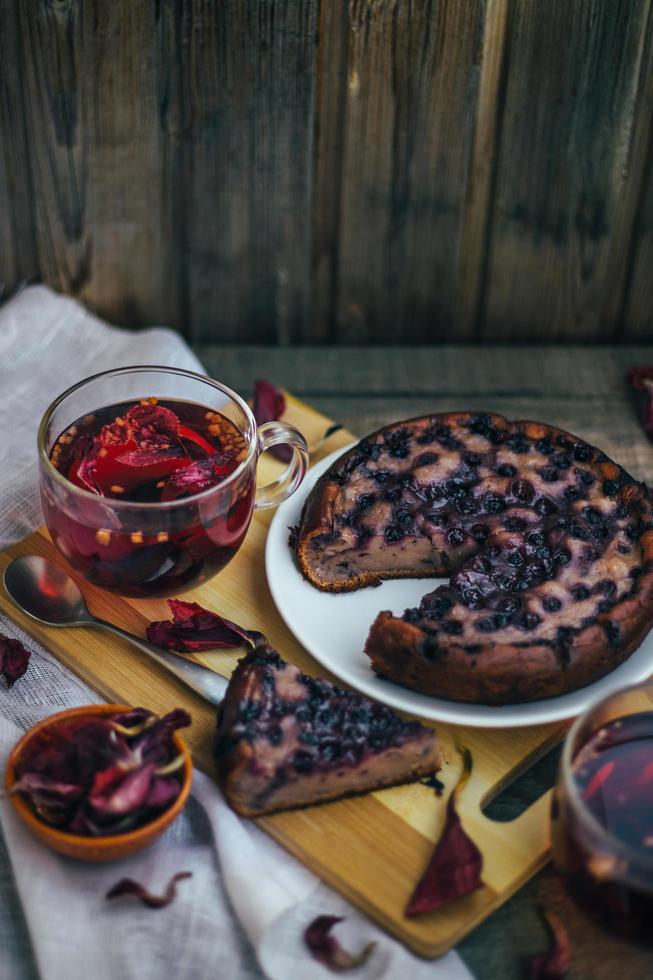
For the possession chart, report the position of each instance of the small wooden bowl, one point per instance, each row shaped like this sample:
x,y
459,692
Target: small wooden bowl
x,y
110,848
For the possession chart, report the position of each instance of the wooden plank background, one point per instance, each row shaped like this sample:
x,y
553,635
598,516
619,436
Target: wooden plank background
x,y
352,171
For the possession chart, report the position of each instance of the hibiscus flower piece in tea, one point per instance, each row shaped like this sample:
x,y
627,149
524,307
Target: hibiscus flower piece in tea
x,y
151,452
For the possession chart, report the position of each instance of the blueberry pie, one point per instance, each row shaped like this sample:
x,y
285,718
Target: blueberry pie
x,y
547,543
286,740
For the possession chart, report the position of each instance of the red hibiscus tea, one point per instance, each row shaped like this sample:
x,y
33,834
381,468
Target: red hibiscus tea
x,y
150,452
148,477
603,820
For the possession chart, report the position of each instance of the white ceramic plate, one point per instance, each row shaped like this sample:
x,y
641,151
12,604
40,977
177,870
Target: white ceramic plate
x,y
334,628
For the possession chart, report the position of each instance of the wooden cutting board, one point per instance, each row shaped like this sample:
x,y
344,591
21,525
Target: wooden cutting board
x,y
372,849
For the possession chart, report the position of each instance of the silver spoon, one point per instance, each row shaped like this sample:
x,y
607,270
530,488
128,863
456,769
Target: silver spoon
x,y
45,591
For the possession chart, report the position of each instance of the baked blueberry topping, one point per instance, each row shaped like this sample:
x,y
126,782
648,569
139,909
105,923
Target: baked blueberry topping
x,y
582,452
515,524
545,507
425,459
551,604
393,534
494,504
519,444
472,459
452,626
480,532
457,535
580,592
396,443
529,621
522,490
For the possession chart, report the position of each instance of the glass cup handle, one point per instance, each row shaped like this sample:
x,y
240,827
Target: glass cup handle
x,y
282,434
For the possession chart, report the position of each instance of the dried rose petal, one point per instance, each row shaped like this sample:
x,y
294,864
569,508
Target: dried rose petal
x,y
326,949
556,962
127,886
269,405
14,658
456,863
193,628
641,379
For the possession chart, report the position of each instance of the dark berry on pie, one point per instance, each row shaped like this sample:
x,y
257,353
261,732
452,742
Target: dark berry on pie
x,y
551,604
457,535
286,740
541,535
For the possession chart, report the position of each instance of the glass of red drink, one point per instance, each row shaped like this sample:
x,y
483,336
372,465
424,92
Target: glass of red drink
x,y
148,477
602,811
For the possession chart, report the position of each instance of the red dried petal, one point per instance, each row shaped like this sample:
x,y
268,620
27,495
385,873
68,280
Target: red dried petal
x,y
163,792
47,792
193,629
598,779
150,419
155,456
185,432
153,744
641,379
646,775
269,405
127,886
326,949
269,402
14,658
113,435
130,719
638,377
453,871
456,863
196,477
116,792
556,962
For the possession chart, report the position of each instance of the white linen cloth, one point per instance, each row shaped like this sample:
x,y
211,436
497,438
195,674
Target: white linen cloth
x,y
243,912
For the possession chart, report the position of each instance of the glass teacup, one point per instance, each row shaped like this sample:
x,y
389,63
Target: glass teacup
x,y
158,547
602,811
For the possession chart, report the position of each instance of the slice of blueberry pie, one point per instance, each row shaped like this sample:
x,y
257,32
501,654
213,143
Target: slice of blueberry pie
x,y
547,542
287,740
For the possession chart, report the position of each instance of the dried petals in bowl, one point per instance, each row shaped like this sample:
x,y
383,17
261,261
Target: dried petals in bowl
x,y
101,782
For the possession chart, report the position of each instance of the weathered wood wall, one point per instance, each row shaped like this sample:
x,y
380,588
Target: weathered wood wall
x,y
319,170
